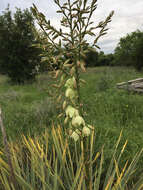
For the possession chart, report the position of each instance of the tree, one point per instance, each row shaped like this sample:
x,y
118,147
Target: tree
x,y
128,51
138,54
95,58
18,55
102,59
91,58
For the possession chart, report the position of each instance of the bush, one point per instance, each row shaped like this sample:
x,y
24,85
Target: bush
x,y
18,57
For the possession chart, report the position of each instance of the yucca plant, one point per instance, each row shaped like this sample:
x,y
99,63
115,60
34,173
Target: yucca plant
x,y
54,162
77,15
77,20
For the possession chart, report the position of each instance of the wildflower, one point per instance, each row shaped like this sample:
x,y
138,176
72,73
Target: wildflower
x,y
71,112
77,121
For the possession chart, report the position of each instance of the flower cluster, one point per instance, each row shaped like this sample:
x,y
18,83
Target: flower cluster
x,y
76,122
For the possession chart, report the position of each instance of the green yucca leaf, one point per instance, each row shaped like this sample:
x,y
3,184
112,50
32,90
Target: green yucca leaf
x,y
13,188
119,176
109,171
59,152
98,178
79,187
3,164
139,184
55,177
131,169
23,183
5,181
66,168
91,142
77,175
70,162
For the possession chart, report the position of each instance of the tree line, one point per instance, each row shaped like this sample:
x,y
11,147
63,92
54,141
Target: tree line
x,y
129,52
21,55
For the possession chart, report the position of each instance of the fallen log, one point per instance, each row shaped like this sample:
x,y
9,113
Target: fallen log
x,y
135,85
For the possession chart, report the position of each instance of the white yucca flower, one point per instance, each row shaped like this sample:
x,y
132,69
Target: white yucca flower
x,y
86,131
75,135
70,93
71,112
70,83
77,121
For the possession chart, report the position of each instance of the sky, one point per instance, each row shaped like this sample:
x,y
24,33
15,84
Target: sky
x,y
128,17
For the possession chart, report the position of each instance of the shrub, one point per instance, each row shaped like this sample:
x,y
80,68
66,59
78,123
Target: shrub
x,y
18,57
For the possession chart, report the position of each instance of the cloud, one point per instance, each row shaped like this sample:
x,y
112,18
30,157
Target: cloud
x,y
128,17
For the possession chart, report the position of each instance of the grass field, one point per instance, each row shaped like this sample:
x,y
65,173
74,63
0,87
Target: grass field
x,y
28,109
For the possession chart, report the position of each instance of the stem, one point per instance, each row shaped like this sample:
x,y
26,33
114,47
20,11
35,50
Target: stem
x,y
76,56
86,163
54,44
77,82
87,24
79,59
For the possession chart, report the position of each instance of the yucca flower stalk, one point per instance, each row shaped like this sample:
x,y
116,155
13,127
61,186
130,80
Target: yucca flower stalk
x,y
77,15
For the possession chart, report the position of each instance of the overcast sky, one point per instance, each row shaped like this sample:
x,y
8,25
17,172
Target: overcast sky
x,y
128,16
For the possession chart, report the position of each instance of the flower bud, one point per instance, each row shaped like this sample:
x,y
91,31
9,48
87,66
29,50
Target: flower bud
x,y
66,120
64,104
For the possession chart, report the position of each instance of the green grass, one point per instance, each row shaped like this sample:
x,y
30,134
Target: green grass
x,y
112,110
28,109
